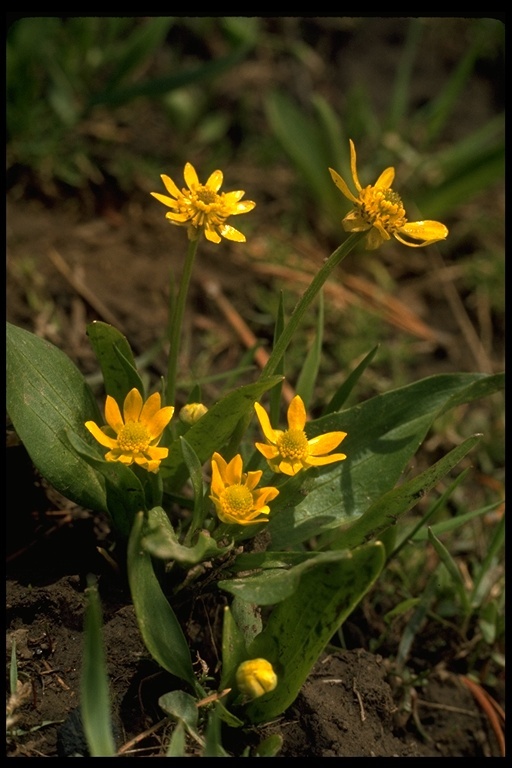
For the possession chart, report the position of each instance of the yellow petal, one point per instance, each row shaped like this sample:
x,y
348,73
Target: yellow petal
x,y
214,182
289,467
385,180
211,234
171,186
325,443
427,231
159,421
342,186
113,414
179,218
230,233
99,435
263,496
157,453
165,200
150,408
232,198
132,405
268,451
233,473
244,207
262,415
353,165
253,479
190,176
217,483
320,461
296,413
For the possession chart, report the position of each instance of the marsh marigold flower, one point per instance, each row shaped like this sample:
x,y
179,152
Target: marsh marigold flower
x,y
255,677
234,495
202,208
380,210
289,451
134,435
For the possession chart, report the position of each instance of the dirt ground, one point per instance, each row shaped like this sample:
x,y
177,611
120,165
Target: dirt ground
x,y
106,257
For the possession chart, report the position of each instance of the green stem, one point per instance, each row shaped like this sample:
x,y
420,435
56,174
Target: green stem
x,y
304,302
177,321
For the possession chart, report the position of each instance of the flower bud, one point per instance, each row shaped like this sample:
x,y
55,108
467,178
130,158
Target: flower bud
x,y
192,412
256,677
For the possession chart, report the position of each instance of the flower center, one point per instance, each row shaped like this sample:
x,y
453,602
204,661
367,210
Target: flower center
x,y
133,437
383,206
293,444
237,501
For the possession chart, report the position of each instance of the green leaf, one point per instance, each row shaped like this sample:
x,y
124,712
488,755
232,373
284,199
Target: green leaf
x,y
383,434
158,624
386,510
95,696
47,396
214,429
452,568
116,360
299,628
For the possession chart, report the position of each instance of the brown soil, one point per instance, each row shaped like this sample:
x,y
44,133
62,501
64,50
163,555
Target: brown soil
x,y
103,257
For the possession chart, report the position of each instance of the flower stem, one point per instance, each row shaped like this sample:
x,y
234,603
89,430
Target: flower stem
x,y
304,302
177,321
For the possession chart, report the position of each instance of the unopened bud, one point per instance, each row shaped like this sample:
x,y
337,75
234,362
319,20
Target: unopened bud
x,y
192,412
255,677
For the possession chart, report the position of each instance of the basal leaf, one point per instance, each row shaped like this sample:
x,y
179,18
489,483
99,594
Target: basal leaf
x,y
115,359
47,396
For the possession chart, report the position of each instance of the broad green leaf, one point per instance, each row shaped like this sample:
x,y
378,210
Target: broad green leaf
x,y
176,747
234,649
159,627
196,479
383,434
214,429
115,359
124,493
299,628
385,511
94,688
47,396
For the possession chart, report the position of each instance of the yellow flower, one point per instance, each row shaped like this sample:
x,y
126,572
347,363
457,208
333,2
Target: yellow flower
x,y
201,208
232,492
255,677
380,210
290,451
133,436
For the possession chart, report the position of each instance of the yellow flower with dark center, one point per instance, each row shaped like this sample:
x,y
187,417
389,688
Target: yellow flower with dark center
x,y
234,495
202,208
380,210
134,435
255,677
289,451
